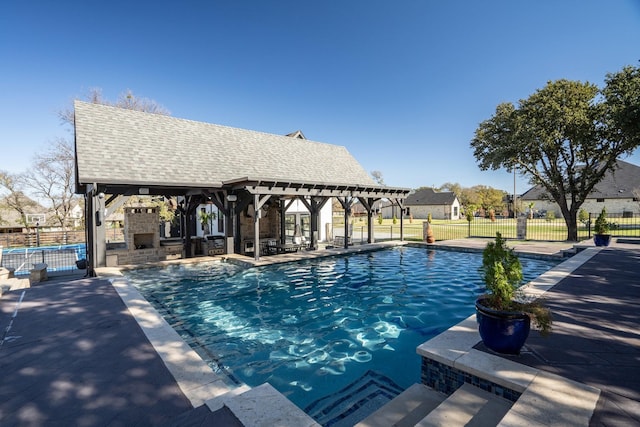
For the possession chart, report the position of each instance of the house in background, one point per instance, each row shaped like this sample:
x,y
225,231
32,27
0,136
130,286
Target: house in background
x,y
425,201
616,192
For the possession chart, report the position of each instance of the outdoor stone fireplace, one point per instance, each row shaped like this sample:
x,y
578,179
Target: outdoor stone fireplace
x,y
141,238
141,228
143,241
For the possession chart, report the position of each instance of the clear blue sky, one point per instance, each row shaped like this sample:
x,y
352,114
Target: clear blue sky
x,y
402,84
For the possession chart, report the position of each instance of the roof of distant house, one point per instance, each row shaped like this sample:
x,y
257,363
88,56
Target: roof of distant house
x,y
429,197
619,184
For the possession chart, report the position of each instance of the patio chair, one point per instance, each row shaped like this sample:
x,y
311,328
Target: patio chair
x,y
272,247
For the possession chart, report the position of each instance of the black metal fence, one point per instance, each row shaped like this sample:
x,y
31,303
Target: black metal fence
x,y
541,229
57,258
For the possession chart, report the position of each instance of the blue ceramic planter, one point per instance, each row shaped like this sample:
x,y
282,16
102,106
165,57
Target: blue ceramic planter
x,y
502,331
602,239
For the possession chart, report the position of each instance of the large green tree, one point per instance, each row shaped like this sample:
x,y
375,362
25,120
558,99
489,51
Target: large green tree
x,y
565,137
488,197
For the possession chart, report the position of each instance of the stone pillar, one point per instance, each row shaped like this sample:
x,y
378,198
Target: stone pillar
x,y
521,228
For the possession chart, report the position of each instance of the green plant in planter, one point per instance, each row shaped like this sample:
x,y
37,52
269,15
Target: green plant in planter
x,y
602,226
205,219
502,274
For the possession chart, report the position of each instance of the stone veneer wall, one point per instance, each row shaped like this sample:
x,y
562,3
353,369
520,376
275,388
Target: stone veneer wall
x,y
614,206
139,221
269,225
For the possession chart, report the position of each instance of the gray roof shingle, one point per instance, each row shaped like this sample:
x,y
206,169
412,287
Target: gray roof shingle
x,y
619,184
428,197
118,146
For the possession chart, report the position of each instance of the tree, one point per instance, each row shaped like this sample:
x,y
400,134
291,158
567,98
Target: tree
x,y
488,198
377,177
468,196
51,179
125,100
564,137
16,199
53,171
453,187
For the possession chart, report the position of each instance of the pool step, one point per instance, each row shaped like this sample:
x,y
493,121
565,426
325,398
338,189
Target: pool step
x,y
406,409
258,406
355,401
468,406
421,406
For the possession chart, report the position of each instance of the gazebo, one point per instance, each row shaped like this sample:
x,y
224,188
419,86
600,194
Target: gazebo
x,y
121,153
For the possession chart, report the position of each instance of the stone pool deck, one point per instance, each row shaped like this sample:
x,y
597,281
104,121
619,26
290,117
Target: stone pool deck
x,y
587,372
91,352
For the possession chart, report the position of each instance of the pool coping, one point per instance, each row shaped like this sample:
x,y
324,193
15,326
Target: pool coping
x,y
546,399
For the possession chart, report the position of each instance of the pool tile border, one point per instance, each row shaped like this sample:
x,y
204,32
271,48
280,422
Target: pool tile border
x,y
541,398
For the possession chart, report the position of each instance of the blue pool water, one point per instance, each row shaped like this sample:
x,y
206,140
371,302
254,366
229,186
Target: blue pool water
x,y
313,328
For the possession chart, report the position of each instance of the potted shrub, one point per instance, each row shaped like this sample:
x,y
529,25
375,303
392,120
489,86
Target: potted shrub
x,y
602,228
205,220
503,313
430,237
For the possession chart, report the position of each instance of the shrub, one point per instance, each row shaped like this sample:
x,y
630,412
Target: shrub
x,y
502,275
469,215
602,226
583,216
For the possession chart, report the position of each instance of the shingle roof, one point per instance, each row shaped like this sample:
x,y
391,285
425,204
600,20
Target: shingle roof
x,y
118,146
619,184
428,196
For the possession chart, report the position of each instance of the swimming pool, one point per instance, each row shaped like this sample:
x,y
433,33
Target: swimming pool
x,y
323,327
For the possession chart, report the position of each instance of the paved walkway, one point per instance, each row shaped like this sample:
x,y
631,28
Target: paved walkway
x,y
596,330
74,355
596,337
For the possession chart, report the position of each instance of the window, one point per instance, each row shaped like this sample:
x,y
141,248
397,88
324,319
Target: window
x,y
305,225
600,200
289,224
455,211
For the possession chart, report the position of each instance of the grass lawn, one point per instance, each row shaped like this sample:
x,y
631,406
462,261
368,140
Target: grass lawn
x,y
537,229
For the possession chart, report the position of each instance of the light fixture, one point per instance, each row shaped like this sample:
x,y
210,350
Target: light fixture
x,y
232,197
143,190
